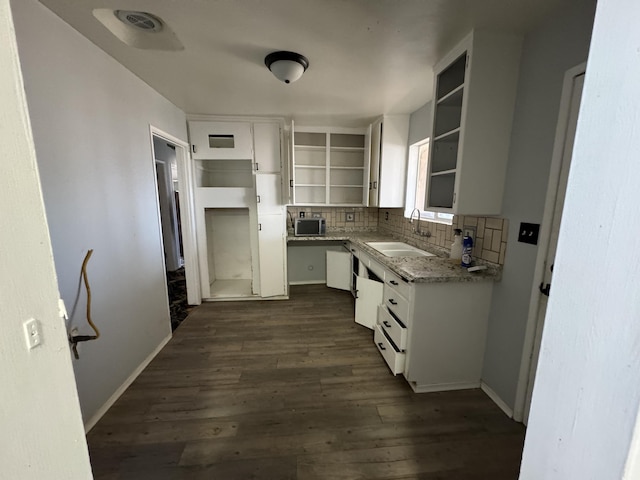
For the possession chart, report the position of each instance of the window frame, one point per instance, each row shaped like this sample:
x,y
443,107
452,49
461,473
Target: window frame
x,y
412,186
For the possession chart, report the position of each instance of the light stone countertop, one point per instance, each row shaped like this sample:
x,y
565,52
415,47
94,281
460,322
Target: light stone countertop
x,y
438,269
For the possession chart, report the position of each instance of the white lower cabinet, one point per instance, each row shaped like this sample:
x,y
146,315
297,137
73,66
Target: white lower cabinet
x,y
272,245
394,358
368,295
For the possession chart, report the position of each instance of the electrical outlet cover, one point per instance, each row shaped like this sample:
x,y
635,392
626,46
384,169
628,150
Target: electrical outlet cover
x,y
350,217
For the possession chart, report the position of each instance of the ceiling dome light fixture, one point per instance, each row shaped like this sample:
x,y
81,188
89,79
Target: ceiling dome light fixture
x,y
286,66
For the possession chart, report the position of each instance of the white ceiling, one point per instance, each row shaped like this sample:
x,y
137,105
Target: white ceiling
x,y
367,57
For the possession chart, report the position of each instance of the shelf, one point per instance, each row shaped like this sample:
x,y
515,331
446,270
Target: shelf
x,y
450,136
346,186
311,147
309,185
444,172
347,149
347,168
311,167
453,98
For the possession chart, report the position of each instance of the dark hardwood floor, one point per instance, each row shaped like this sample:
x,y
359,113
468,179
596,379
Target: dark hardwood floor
x,y
293,390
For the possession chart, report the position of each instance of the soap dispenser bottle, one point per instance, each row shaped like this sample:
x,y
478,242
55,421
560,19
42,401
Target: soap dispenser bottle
x,y
456,246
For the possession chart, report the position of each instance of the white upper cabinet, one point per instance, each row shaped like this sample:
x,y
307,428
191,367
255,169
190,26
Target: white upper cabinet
x,y
267,141
389,137
473,104
330,166
220,140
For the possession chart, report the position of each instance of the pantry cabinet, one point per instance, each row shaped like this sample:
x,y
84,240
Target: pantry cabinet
x,y
388,167
473,103
240,213
329,166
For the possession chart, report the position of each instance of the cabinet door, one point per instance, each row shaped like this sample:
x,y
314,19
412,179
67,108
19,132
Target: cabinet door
x,y
376,131
266,141
268,191
271,245
393,161
339,270
368,298
221,140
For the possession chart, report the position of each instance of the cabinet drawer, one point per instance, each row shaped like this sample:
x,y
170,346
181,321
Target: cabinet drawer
x,y
376,268
396,332
397,283
396,303
394,359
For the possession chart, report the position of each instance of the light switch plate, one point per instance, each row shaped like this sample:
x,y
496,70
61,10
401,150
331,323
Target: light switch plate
x,y
32,333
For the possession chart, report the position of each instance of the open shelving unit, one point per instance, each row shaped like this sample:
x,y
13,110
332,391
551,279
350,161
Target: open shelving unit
x,y
330,167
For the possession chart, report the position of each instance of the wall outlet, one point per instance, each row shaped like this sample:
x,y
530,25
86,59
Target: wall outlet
x,y
350,217
469,232
316,214
301,214
32,333
386,216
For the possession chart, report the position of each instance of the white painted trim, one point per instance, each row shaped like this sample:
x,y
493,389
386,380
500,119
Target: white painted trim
x,y
496,399
308,282
113,398
545,232
187,214
443,387
234,118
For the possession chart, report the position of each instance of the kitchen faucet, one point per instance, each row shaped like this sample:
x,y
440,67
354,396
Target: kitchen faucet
x,y
417,229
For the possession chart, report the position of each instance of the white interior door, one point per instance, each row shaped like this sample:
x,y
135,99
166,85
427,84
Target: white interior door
x,y
339,270
545,287
368,297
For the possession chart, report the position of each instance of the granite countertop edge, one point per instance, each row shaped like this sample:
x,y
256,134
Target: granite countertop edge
x,y
437,269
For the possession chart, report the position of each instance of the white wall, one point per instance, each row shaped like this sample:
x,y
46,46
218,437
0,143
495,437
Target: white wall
x,y
91,121
41,429
587,392
420,123
561,43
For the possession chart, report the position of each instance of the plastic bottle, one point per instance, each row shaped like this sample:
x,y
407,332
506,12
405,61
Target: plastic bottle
x,y
467,246
456,246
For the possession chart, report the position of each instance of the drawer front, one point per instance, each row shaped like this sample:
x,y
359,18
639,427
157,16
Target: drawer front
x,y
394,359
396,303
395,282
396,332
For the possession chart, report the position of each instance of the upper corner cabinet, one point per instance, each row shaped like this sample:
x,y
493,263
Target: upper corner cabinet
x,y
473,103
220,140
389,139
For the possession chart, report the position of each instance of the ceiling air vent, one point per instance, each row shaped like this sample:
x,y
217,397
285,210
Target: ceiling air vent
x,y
140,20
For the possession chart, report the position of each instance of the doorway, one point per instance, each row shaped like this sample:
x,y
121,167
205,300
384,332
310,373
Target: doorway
x,y
175,210
561,161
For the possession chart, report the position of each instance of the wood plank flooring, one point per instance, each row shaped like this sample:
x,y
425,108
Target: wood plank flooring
x,y
293,390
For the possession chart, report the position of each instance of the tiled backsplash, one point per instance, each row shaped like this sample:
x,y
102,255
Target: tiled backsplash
x,y
491,232
364,219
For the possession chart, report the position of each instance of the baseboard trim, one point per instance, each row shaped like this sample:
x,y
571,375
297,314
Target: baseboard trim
x,y
443,387
308,282
112,399
496,399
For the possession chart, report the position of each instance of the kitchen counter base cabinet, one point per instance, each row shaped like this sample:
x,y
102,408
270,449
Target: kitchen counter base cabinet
x,y
447,334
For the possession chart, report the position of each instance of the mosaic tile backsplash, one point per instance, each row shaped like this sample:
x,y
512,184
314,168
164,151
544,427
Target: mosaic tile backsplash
x,y
491,232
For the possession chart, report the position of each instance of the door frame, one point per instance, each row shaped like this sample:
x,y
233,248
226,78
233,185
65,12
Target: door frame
x,y
187,213
545,236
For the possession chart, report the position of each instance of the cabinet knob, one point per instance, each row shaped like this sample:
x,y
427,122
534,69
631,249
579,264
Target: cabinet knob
x,y
381,346
393,282
386,324
392,301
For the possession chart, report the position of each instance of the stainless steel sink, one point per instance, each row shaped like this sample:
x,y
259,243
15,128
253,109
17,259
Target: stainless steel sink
x,y
398,249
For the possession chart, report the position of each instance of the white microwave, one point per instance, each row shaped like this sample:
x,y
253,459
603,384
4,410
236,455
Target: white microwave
x,y
308,227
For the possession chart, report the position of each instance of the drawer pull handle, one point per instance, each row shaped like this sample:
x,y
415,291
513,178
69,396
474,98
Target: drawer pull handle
x,y
386,324
393,282
392,301
381,346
